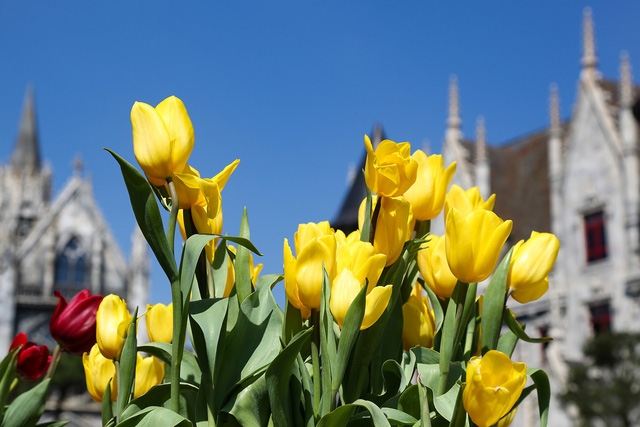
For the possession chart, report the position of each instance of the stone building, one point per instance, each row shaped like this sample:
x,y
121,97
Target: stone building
x,y
61,244
578,179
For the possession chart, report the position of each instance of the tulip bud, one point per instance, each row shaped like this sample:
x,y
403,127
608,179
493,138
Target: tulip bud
x,y
418,320
73,324
427,194
530,265
432,262
162,138
98,371
467,201
159,321
149,372
33,361
493,385
389,170
473,243
112,326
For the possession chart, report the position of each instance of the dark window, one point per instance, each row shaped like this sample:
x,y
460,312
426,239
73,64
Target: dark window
x,y
600,318
71,269
596,236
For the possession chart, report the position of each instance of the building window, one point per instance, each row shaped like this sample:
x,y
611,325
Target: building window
x,y
596,236
600,318
71,269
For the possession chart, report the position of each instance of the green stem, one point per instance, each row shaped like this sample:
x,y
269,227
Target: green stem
x,y
173,214
55,359
317,380
176,345
118,388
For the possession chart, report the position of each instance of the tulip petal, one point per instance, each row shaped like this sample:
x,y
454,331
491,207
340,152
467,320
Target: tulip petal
x,y
376,304
179,129
151,143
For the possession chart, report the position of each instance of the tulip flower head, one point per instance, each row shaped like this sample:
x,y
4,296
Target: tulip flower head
x,y
389,170
393,227
149,372
531,263
315,246
33,361
112,326
467,201
159,321
432,263
73,324
163,138
473,243
493,385
428,192
419,323
98,371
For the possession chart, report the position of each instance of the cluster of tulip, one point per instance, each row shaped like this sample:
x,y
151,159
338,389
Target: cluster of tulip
x,y
381,327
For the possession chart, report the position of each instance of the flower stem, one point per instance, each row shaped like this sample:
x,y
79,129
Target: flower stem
x,y
176,345
55,358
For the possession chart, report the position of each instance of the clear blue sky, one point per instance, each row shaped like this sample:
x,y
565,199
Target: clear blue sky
x,y
288,87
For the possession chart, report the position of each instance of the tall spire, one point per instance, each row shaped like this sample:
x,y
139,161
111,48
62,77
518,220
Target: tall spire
x,y
626,81
454,104
481,142
555,138
26,152
554,110
589,60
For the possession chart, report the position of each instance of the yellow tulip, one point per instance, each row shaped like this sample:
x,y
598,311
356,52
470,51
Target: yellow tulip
x,y
473,243
427,194
112,326
162,138
393,228
149,372
508,419
159,321
389,170
494,384
315,246
531,263
231,273
345,289
432,263
194,190
98,371
418,320
467,201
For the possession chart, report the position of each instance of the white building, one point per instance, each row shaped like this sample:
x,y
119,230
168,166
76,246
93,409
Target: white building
x,y
62,244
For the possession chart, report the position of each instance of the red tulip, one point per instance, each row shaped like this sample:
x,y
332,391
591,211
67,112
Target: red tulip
x,y
33,361
73,324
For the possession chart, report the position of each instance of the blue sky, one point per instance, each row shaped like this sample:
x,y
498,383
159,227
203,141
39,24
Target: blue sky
x,y
288,87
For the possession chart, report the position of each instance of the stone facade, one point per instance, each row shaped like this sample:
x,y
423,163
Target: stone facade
x,y
61,244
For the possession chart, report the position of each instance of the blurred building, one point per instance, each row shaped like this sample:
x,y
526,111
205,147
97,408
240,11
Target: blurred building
x,y
62,244
578,179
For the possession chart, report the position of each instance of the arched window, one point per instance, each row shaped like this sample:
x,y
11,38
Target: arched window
x,y
71,269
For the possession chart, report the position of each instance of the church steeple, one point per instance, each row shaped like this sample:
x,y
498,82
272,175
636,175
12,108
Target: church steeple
x,y
26,152
589,59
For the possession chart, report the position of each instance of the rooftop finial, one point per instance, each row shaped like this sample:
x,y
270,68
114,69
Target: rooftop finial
x,y
26,154
554,109
589,59
626,81
481,142
454,104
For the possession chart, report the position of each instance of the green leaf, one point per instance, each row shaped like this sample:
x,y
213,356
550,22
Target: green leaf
x,y
127,362
278,376
107,407
541,380
155,416
157,395
518,329
341,415
446,403
437,307
244,286
190,255
292,322
189,370
409,401
250,407
27,408
507,343
493,305
220,268
426,355
269,280
399,418
53,424
7,375
327,346
145,209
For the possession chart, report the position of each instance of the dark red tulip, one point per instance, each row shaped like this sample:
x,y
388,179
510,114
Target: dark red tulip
x,y
73,324
33,361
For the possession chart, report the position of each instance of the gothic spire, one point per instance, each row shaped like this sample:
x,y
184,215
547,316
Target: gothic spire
x,y
26,152
554,110
481,142
626,81
589,60
454,104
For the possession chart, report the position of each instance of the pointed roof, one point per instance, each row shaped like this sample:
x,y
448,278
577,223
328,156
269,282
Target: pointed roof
x,y
589,59
26,152
347,218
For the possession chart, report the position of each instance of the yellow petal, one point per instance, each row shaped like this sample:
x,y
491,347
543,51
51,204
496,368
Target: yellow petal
x,y
223,176
180,131
149,372
377,301
159,321
151,143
